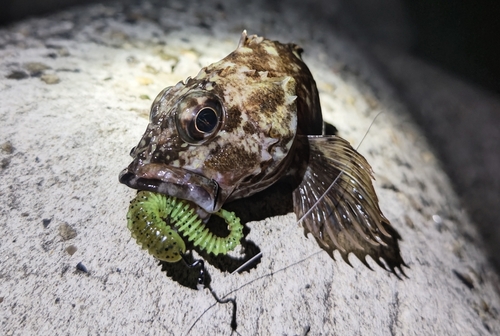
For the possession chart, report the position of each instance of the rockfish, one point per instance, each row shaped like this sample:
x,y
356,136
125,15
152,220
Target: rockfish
x,y
245,122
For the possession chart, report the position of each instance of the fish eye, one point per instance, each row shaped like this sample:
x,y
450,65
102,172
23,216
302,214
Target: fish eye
x,y
199,117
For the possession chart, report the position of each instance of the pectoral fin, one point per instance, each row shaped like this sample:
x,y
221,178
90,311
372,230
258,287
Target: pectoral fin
x,y
347,218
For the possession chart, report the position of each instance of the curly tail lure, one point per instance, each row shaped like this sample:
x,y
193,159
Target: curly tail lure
x,y
149,218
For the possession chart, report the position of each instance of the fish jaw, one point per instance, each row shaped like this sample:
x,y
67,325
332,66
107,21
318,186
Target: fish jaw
x,y
175,182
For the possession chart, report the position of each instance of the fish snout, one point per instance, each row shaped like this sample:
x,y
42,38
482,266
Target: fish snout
x,y
173,181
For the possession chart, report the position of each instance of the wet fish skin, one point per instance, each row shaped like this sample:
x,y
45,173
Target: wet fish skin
x,y
245,122
260,90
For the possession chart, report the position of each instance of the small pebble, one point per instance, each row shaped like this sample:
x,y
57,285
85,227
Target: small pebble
x,y
71,249
18,75
437,219
150,69
7,147
35,69
144,80
66,231
81,267
63,52
46,222
50,78
132,60
4,163
465,279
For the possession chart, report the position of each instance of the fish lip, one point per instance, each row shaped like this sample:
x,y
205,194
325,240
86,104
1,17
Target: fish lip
x,y
172,181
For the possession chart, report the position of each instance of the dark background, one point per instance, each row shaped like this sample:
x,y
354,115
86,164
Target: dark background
x,y
459,36
440,55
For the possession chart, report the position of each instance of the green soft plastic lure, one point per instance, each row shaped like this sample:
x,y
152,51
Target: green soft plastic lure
x,y
155,221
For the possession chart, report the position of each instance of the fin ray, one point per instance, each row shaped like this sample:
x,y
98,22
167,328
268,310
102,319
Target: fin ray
x,y
348,218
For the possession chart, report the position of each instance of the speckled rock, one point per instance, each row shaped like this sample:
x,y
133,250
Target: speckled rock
x,y
66,143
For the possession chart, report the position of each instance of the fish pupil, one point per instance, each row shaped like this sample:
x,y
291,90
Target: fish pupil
x,y
206,120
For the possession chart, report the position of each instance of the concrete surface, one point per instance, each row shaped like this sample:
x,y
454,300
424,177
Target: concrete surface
x,y
75,90
463,123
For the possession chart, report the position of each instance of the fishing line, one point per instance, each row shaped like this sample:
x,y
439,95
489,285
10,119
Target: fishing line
x,y
247,284
201,284
273,244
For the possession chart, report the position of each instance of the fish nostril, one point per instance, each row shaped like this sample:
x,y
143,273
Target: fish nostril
x,y
125,177
132,151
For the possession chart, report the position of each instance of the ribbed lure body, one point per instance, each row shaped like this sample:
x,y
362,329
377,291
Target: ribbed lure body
x,y
155,221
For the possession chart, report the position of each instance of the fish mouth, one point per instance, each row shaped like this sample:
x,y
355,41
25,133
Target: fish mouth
x,y
172,181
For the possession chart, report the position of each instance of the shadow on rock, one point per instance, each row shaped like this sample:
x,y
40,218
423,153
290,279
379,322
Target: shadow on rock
x,y
274,201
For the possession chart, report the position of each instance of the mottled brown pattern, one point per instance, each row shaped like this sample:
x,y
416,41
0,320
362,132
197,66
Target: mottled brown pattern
x,y
260,60
249,128
266,101
227,71
231,158
233,120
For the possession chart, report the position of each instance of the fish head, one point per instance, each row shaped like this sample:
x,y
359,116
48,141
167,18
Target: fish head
x,y
225,134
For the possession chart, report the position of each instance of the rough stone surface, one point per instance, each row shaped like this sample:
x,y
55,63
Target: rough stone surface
x,y
63,143
464,124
